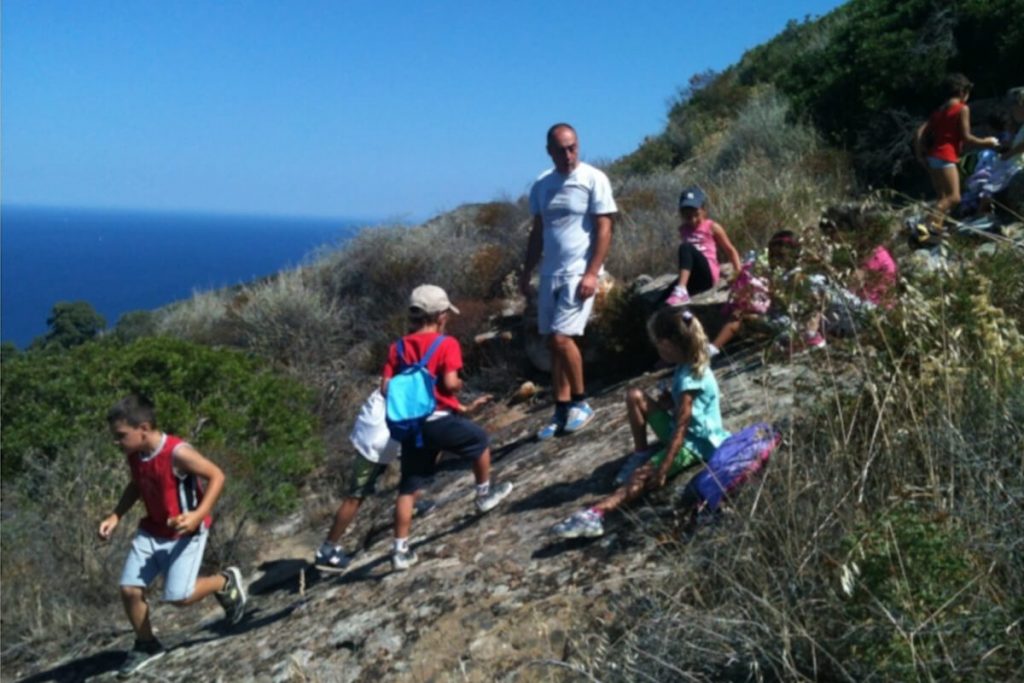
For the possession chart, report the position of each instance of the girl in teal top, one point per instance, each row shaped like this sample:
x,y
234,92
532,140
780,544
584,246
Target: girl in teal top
x,y
692,431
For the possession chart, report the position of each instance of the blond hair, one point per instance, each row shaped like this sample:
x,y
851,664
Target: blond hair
x,y
682,329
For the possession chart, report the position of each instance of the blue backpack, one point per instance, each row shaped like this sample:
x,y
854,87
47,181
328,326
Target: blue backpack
x,y
410,398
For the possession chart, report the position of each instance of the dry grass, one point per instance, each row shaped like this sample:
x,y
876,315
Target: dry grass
x,y
884,543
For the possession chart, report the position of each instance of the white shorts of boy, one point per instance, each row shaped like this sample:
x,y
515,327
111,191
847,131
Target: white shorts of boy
x,y
178,559
559,308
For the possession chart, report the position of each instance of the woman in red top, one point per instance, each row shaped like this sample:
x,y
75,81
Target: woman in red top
x,y
940,140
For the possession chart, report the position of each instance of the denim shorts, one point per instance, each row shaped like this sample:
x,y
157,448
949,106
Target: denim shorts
x,y
178,559
939,163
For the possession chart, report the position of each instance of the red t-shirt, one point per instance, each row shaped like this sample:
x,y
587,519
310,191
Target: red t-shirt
x,y
447,357
947,133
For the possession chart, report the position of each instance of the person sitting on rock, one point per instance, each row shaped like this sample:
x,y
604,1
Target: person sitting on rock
x,y
700,238
692,433
446,429
767,301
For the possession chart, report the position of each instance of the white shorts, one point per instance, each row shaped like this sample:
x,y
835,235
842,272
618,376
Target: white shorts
x,y
559,309
177,559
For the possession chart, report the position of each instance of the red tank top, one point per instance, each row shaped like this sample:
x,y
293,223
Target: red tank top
x,y
946,133
165,494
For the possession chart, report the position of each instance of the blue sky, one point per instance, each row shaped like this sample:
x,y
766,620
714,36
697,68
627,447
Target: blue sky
x,y
377,110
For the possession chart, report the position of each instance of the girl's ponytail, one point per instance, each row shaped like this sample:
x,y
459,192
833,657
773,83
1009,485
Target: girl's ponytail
x,y
682,329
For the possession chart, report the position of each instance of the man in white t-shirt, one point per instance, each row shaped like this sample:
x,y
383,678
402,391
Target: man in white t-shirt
x,y
573,210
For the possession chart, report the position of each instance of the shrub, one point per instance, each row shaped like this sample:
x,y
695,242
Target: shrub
x,y
224,402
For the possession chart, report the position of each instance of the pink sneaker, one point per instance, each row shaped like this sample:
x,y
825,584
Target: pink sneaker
x,y
815,341
679,297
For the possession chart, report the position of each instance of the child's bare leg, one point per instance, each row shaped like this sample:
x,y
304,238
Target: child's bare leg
x,y
728,331
482,468
137,609
205,585
684,278
946,181
343,517
632,490
403,514
637,410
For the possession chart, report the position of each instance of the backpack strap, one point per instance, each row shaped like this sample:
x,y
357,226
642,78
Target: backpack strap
x,y
430,351
422,362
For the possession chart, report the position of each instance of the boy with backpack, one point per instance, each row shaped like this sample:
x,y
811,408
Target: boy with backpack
x,y
420,383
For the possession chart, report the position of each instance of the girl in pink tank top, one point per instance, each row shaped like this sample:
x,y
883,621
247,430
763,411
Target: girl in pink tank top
x,y
699,238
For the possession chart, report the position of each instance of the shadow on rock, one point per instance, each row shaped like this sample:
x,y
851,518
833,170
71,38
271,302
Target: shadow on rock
x,y
559,493
79,670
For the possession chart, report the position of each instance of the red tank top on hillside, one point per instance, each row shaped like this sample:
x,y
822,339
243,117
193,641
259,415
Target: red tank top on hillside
x,y
947,137
164,493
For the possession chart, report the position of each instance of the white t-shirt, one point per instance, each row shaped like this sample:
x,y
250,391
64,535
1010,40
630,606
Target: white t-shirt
x,y
568,205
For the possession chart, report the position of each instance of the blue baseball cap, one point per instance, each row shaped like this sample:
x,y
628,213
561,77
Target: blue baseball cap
x,y
692,198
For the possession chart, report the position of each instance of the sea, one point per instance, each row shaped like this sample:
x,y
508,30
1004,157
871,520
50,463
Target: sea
x,y
121,261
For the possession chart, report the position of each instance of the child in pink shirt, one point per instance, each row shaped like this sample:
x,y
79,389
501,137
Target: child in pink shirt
x,y
700,238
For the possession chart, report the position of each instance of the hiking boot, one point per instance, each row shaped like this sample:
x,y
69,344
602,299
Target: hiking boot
x,y
585,523
580,415
332,559
491,500
400,561
232,597
679,297
144,652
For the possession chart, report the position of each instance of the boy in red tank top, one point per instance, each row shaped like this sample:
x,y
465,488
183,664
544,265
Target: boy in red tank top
x,y
165,475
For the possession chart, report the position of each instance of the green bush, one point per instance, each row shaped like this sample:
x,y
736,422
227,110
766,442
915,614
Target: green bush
x,y
227,404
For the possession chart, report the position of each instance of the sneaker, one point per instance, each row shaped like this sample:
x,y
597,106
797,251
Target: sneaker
x,y
580,415
632,464
679,297
144,652
585,523
400,561
491,500
551,429
232,598
331,559
815,341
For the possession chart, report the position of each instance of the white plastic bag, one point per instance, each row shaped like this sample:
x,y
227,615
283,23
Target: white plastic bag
x,y
370,434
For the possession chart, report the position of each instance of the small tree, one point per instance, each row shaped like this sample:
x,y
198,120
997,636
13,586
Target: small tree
x,y
71,323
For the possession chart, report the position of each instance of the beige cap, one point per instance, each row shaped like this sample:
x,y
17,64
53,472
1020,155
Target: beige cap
x,y
431,299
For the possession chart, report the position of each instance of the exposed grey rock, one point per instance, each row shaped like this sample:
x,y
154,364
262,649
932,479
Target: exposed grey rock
x,y
491,593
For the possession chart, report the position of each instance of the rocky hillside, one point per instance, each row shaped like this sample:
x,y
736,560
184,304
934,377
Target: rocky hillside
x,y
494,597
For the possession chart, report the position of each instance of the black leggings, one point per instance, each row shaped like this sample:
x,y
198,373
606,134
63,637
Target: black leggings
x,y
691,259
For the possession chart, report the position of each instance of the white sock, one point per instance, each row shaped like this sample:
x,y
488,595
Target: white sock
x,y
401,545
713,350
483,489
680,291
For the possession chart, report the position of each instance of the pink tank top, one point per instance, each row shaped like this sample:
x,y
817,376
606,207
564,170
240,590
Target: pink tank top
x,y
880,275
703,238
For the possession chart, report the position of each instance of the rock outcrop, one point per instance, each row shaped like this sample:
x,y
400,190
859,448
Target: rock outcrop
x,y
494,597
